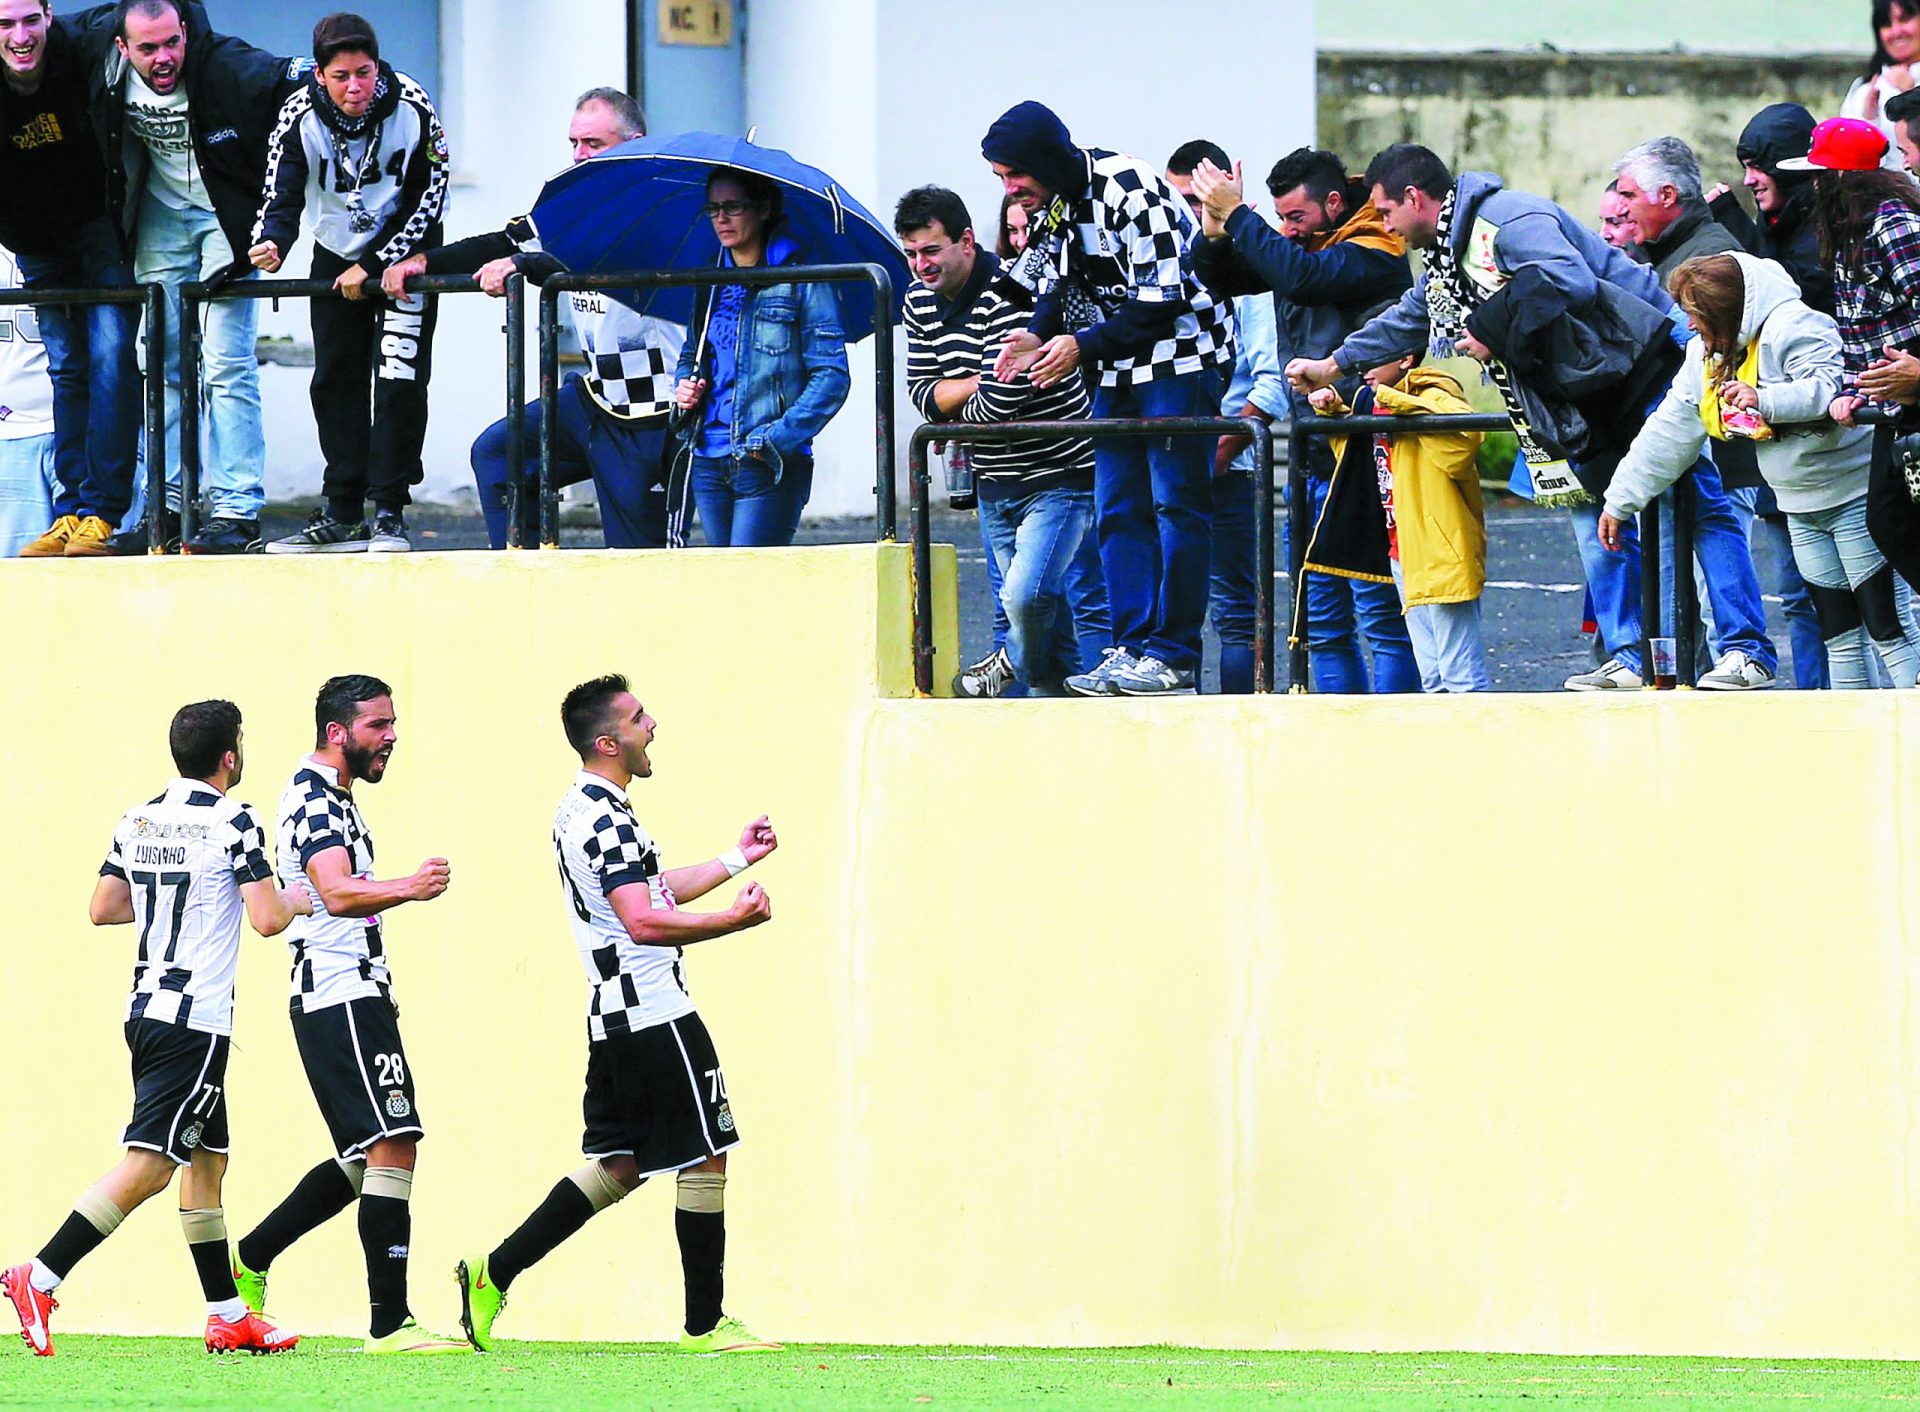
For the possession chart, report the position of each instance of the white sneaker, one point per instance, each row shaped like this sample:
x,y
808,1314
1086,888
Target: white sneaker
x,y
990,676
1099,681
1611,675
1736,672
1151,677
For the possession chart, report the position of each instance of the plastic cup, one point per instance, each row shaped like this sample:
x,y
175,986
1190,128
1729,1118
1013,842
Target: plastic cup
x,y
1666,663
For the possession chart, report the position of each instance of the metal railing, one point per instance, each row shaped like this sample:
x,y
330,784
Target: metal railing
x,y
192,296
151,298
920,509
754,277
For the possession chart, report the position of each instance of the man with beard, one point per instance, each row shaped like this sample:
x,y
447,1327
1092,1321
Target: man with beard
x,y
1331,263
345,1022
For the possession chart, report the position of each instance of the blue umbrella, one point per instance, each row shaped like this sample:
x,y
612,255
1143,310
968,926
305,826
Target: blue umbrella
x,y
637,207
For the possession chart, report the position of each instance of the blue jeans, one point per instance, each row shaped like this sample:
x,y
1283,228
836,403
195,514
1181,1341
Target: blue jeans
x,y
1446,643
176,248
96,379
1757,512
27,488
1035,541
1613,582
1233,584
1726,561
994,585
1837,556
1339,611
747,507
621,457
1155,502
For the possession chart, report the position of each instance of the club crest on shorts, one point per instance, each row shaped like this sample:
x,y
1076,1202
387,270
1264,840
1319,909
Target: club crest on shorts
x,y
397,1105
725,1121
190,1138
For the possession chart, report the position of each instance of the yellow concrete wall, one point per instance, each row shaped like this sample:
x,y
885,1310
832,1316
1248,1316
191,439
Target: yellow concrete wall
x,y
1522,1023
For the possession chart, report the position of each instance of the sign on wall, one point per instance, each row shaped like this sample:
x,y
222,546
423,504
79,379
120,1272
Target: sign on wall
x,y
703,22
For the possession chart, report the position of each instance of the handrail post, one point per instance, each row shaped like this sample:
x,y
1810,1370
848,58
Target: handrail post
x,y
549,399
1652,575
190,359
516,406
1263,636
922,533
884,402
156,419
1686,598
1299,526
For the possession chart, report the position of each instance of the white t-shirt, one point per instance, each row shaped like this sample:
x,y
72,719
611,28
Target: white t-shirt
x,y
173,176
26,392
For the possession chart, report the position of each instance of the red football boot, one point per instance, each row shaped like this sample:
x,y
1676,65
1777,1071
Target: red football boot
x,y
32,1306
251,1333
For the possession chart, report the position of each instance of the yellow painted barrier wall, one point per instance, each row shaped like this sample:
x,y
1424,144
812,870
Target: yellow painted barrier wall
x,y
1532,1023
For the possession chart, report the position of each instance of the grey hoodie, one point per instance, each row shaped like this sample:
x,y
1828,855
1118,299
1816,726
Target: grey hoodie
x,y
1812,463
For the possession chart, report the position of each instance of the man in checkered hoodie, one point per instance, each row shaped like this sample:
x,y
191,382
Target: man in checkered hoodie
x,y
1109,264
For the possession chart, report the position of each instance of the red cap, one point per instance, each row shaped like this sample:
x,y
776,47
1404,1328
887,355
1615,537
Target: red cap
x,y
1842,145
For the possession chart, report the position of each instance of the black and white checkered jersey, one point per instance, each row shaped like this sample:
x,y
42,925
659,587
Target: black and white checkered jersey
x,y
335,959
601,846
186,854
631,357
1129,238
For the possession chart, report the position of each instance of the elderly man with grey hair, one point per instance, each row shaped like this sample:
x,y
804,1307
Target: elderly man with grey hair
x,y
1660,183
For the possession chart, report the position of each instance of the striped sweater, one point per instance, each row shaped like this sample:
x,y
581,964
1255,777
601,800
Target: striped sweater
x,y
945,341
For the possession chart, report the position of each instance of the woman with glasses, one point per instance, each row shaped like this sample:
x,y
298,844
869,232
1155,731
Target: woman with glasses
x,y
765,371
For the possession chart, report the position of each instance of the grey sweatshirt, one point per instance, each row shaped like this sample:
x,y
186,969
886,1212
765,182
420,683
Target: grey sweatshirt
x,y
1816,465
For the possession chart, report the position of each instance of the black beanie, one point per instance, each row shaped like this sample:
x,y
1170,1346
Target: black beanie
x,y
1030,138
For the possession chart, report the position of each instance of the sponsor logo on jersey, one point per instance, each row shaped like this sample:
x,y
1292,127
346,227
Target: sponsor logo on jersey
x,y
397,1105
190,1139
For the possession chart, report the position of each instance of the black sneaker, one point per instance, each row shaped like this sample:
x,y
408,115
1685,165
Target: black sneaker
x,y
133,540
324,535
226,537
389,534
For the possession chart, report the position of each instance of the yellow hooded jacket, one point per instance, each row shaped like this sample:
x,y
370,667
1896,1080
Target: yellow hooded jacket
x,y
1436,493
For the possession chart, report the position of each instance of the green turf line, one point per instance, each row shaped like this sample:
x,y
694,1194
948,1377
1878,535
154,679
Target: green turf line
x,y
177,1373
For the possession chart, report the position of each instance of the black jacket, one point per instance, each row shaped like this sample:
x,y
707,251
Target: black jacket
x,y
235,91
52,174
1790,235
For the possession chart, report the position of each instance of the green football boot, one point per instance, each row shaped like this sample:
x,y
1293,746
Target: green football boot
x,y
481,1301
728,1336
252,1284
411,1338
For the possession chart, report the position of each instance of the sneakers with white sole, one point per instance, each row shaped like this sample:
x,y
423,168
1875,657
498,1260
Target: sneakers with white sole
x,y
1149,676
1610,675
990,676
1736,672
1099,681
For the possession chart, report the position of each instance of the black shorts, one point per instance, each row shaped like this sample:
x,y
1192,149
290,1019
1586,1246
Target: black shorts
x,y
179,1090
357,1069
657,1095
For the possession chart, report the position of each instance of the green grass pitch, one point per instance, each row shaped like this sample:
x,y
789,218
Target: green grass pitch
x,y
177,1373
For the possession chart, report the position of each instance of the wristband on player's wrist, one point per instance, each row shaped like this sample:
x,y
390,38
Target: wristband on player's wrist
x,y
734,861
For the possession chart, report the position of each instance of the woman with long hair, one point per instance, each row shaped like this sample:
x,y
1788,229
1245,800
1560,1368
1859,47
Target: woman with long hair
x,y
764,374
1869,222
1890,72
1766,369
1012,238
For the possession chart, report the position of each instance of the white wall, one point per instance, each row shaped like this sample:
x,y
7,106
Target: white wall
x,y
507,98
888,95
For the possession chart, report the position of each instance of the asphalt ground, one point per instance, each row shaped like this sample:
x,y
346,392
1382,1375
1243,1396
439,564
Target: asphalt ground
x,y
1530,611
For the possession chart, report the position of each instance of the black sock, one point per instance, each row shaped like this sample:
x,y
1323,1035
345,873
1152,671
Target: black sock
x,y
76,1239
703,1258
565,1211
386,1228
215,1270
347,512
320,1195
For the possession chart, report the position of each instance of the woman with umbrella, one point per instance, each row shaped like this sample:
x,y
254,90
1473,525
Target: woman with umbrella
x,y
765,372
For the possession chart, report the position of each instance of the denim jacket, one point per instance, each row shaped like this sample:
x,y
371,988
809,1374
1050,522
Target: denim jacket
x,y
791,366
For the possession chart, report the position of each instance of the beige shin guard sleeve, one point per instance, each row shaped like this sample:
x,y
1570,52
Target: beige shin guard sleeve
x,y
396,1182
701,1191
203,1226
356,1172
600,1189
99,1210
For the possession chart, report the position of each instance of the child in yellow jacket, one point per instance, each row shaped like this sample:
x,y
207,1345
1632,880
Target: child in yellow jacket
x,y
1429,489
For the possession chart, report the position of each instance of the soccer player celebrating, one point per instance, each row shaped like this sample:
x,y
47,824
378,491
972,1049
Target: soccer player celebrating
x,y
656,1100
345,1023
183,866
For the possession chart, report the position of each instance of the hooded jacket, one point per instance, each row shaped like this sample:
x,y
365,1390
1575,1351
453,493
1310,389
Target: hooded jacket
x,y
234,91
1812,463
50,164
1437,510
1790,236
1323,287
